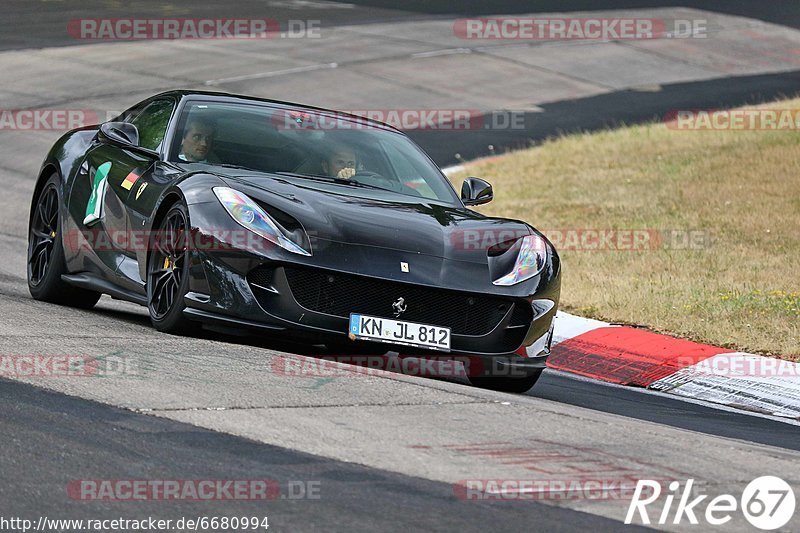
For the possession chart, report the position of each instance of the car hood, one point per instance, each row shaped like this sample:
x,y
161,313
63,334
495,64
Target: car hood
x,y
348,215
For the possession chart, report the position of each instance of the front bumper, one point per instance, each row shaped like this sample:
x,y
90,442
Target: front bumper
x,y
242,291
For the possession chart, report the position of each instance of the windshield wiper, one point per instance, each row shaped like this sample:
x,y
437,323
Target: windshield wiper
x,y
330,179
229,165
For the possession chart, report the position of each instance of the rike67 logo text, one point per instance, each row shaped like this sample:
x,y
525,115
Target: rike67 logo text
x,y
768,503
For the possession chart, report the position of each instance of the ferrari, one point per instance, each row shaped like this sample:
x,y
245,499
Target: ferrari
x,y
282,220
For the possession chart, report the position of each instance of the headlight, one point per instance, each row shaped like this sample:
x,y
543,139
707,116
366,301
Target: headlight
x,y
530,261
251,216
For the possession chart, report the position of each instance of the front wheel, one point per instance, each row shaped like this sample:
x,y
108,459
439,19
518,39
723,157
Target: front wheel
x,y
168,272
46,262
506,384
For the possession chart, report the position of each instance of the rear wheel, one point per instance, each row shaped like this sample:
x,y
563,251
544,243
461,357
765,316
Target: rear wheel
x,y
46,262
167,272
506,384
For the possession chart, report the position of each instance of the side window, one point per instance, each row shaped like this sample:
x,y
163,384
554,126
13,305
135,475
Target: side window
x,y
130,114
152,123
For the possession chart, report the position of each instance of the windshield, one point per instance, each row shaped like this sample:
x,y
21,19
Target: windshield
x,y
307,144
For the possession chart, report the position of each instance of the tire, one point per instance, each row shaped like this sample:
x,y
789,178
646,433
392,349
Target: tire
x,y
45,259
504,384
168,272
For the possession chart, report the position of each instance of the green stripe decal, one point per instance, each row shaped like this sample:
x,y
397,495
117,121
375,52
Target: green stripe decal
x,y
94,209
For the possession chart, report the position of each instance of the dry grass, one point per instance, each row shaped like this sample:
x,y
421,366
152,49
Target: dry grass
x,y
739,289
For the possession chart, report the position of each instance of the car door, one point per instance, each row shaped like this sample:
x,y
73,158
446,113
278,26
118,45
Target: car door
x,y
116,175
140,194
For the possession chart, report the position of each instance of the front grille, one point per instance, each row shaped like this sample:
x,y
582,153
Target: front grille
x,y
522,314
262,277
339,294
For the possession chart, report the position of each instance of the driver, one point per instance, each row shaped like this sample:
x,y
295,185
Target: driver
x,y
340,163
198,138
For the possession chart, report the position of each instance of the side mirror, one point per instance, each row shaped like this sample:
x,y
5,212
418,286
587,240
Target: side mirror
x,y
121,133
475,191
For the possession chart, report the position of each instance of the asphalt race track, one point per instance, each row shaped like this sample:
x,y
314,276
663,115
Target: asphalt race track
x,y
385,451
151,447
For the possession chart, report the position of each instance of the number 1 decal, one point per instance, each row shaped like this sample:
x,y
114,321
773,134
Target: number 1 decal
x,y
94,209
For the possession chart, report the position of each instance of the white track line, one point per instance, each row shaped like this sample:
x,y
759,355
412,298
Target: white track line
x,y
273,73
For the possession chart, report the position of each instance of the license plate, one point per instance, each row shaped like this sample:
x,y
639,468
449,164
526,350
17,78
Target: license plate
x,y
399,332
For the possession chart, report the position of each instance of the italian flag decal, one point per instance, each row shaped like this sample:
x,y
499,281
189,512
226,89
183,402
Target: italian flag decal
x,y
94,209
129,181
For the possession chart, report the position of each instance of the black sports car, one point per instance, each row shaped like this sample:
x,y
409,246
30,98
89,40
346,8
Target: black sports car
x,y
248,214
